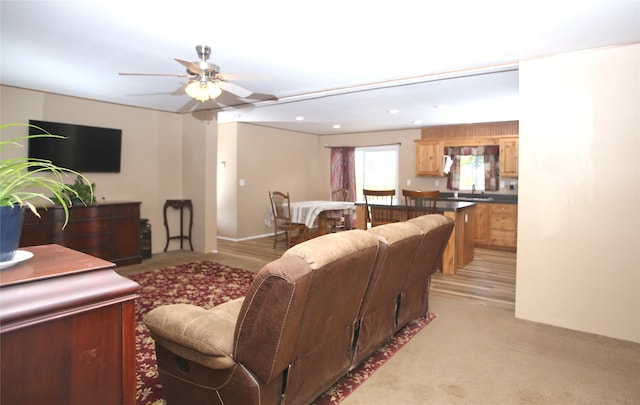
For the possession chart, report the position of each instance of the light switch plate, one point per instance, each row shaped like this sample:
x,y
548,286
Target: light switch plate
x,y
241,182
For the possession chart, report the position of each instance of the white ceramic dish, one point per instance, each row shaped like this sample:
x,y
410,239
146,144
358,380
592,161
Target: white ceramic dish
x,y
20,256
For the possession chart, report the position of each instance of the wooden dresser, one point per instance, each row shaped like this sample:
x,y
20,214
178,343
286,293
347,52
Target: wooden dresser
x,y
109,231
67,330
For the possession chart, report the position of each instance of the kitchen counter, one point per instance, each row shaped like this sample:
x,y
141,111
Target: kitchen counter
x,y
460,248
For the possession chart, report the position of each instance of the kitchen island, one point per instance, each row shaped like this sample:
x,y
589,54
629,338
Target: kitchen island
x,y
460,247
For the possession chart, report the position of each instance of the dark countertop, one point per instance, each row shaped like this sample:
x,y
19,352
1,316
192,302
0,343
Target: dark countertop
x,y
442,205
482,198
453,205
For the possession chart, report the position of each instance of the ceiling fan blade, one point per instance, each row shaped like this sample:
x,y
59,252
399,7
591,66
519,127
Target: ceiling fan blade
x,y
199,67
180,91
190,105
192,66
154,74
234,89
241,77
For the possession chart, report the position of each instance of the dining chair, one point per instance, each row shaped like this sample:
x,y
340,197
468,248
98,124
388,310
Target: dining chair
x,y
419,203
282,223
379,207
336,220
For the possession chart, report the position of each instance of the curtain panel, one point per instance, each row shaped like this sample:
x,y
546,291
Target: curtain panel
x,y
491,165
343,170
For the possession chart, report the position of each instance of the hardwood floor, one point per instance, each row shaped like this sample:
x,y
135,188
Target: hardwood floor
x,y
261,248
490,276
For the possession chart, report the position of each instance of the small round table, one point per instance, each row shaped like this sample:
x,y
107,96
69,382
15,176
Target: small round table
x,y
181,205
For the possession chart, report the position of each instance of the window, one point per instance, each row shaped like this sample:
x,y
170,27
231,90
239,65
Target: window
x,y
376,168
473,166
471,172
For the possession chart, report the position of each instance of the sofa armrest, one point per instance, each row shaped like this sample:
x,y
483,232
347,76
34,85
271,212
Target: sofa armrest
x,y
201,335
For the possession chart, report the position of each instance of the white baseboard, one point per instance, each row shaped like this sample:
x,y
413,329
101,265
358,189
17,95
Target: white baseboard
x,y
243,239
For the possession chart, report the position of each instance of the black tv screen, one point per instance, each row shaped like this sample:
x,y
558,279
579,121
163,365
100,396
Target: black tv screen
x,y
85,149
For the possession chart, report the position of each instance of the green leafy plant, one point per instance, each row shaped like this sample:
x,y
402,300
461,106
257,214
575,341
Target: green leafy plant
x,y
28,182
83,192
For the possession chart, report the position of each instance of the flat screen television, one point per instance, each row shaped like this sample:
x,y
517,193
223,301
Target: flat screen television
x,y
85,149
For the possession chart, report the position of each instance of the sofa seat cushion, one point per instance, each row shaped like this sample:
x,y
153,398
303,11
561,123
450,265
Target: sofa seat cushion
x,y
200,335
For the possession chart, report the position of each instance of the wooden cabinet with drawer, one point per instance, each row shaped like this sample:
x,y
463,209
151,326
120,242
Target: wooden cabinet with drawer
x,y
497,225
108,231
503,225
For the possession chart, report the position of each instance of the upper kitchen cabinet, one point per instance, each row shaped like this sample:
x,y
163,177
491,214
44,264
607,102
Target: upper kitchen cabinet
x,y
429,156
509,157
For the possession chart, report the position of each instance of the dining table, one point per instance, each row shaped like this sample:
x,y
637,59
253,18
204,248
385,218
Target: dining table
x,y
314,213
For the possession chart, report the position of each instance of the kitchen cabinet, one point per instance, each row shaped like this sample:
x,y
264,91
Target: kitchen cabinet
x,y
429,156
110,231
496,226
503,225
482,224
509,157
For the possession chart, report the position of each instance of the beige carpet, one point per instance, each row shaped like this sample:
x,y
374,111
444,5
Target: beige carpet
x,y
476,352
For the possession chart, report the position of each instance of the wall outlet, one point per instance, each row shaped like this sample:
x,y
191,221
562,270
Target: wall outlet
x,y
408,182
241,182
437,183
502,184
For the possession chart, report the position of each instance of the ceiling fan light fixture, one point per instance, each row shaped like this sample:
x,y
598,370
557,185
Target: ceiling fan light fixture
x,y
203,90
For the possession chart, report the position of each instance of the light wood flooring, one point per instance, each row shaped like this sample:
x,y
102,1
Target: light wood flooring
x,y
490,276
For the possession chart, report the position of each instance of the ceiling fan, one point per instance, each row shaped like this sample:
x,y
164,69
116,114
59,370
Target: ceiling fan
x,y
205,80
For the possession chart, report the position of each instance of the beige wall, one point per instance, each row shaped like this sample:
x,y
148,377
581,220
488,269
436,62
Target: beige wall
x,y
265,159
578,260
153,166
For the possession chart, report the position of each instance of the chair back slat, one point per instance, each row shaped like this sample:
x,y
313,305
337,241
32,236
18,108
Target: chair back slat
x,y
420,203
379,206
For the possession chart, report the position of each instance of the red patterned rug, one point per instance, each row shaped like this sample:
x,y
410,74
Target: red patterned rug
x,y
207,284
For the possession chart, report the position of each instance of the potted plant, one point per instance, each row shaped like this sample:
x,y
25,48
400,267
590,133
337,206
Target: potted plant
x,y
30,183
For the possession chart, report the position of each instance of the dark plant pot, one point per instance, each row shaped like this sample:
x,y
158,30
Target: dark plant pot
x,y
10,230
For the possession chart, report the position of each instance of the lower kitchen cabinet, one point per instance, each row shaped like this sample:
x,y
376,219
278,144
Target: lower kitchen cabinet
x,y
497,226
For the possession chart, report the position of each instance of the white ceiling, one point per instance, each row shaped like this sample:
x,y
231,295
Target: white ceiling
x,y
331,62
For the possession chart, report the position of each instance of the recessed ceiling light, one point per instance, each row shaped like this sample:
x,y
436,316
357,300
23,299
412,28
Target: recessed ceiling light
x,y
417,122
441,106
299,118
393,111
336,126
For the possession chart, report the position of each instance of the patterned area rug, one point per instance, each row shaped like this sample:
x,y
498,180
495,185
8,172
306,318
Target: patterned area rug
x,y
208,284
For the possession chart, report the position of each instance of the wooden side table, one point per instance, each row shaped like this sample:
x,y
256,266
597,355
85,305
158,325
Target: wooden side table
x,y
181,205
67,330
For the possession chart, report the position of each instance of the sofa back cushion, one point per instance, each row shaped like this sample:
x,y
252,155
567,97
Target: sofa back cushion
x,y
436,230
399,243
342,266
267,324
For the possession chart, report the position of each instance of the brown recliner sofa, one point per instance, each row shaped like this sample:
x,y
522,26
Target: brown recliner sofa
x,y
307,318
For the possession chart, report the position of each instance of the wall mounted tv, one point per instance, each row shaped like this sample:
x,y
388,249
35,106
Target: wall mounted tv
x,y
86,149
